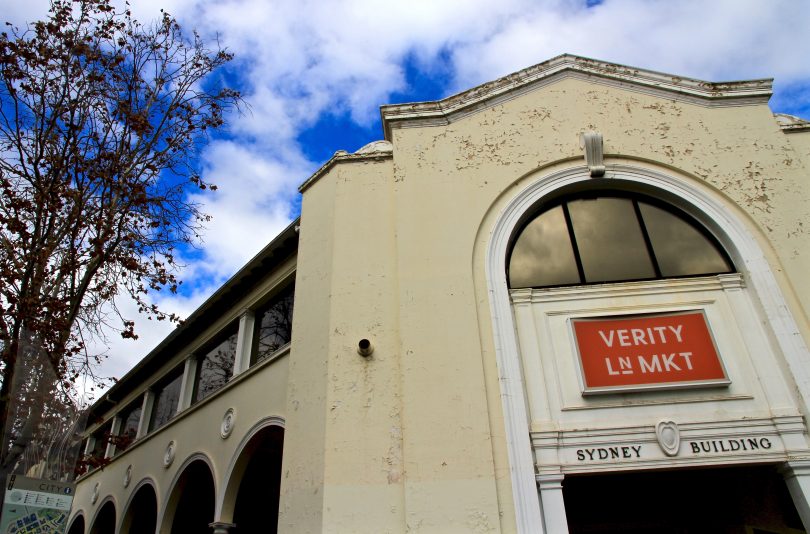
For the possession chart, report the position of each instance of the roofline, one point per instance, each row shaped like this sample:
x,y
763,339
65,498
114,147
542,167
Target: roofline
x,y
792,123
277,245
447,110
341,156
444,111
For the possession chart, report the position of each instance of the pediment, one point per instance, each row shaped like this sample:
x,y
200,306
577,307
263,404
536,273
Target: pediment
x,y
452,108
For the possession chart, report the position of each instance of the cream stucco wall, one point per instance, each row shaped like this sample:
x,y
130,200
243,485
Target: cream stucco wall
x,y
393,248
346,423
402,262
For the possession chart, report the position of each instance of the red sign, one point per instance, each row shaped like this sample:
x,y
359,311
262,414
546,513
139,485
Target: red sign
x,y
640,352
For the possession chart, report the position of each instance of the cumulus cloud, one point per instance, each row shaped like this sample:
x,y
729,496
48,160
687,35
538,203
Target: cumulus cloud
x,y
717,41
299,61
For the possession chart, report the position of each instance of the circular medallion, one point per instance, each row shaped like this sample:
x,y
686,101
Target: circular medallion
x,y
228,421
168,456
128,475
94,497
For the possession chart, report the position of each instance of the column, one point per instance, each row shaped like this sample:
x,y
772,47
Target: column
x,y
797,478
551,501
187,386
114,430
146,413
244,342
218,527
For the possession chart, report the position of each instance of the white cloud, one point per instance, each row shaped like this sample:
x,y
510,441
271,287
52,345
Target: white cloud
x,y
301,59
119,354
251,204
718,41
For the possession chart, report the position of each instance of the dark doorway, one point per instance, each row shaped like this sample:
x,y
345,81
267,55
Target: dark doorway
x,y
105,520
141,517
256,508
77,527
734,500
195,500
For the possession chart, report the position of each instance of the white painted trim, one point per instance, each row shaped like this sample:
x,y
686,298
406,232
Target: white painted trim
x,y
689,196
190,370
549,487
797,478
244,343
670,87
146,413
115,429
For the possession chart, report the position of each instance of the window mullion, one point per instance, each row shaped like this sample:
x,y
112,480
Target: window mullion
x,y
647,240
572,236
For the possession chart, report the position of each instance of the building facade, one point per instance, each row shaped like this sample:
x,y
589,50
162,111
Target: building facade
x,y
571,299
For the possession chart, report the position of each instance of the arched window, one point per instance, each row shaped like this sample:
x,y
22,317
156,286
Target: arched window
x,y
598,237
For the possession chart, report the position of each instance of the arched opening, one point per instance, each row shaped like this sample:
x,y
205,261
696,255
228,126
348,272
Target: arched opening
x,y
77,527
141,516
193,498
105,520
534,312
258,475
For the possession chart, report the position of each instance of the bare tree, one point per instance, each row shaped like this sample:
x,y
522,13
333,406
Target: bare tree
x,y
100,121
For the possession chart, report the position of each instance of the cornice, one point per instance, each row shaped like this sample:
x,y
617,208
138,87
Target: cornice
x,y
374,151
445,111
791,123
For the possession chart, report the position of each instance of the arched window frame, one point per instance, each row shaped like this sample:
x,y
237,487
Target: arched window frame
x,y
547,205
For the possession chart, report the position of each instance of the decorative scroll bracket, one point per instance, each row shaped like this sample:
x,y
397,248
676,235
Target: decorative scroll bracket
x,y
594,157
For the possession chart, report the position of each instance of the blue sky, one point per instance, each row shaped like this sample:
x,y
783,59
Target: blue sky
x,y
315,72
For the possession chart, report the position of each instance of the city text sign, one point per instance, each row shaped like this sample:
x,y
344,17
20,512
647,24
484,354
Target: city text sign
x,y
649,351
34,506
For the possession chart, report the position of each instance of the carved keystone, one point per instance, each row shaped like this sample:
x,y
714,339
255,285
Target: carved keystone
x,y
594,157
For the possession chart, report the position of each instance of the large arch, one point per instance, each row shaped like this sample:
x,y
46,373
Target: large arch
x,y
77,526
189,507
248,446
140,514
104,522
250,494
687,194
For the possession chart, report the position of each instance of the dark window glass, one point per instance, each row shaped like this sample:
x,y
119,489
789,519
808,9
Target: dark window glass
x,y
273,325
167,397
611,238
215,368
680,248
130,418
102,438
95,457
542,255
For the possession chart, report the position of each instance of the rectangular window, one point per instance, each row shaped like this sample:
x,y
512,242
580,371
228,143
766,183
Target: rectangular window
x,y
130,418
273,325
167,396
216,367
94,458
102,438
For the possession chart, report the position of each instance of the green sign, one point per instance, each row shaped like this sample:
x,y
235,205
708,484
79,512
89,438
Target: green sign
x,y
35,506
